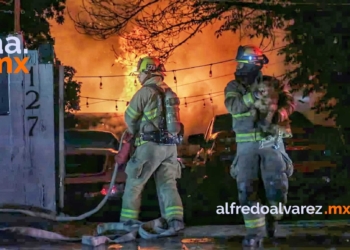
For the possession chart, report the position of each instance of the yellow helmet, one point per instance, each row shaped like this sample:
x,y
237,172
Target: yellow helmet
x,y
251,54
151,65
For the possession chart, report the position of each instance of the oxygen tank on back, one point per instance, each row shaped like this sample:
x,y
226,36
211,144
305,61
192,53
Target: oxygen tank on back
x,y
172,112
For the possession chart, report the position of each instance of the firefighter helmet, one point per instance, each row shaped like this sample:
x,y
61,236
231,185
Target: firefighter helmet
x,y
151,65
250,54
250,61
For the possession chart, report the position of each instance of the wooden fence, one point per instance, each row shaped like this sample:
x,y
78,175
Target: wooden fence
x,y
27,141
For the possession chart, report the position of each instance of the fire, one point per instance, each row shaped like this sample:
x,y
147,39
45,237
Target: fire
x,y
203,49
128,58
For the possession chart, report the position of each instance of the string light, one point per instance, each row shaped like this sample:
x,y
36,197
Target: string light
x,y
116,106
218,93
200,95
205,80
184,104
175,79
201,100
172,70
103,99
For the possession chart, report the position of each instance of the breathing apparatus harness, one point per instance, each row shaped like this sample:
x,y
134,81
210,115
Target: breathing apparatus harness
x,y
162,135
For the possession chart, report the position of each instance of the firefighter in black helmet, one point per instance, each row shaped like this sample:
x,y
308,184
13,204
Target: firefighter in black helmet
x,y
260,158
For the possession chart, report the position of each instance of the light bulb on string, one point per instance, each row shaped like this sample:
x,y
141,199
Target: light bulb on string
x,y
87,102
210,71
101,84
175,79
116,105
185,103
135,83
127,104
203,103
211,99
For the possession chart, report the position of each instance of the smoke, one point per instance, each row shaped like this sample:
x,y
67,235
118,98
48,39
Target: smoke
x,y
92,57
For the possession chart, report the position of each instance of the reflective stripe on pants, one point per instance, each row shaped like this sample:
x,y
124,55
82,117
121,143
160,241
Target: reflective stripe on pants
x,y
128,214
249,137
174,211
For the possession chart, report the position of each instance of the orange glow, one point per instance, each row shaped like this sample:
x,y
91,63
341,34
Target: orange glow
x,y
197,240
128,59
115,246
91,57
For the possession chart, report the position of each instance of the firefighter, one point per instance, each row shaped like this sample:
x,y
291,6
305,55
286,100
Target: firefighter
x,y
260,159
152,117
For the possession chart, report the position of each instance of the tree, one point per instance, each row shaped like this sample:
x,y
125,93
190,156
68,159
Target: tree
x,y
34,19
36,30
165,26
317,39
71,89
319,48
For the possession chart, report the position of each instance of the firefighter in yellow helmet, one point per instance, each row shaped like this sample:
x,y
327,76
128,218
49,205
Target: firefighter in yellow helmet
x,y
152,117
261,158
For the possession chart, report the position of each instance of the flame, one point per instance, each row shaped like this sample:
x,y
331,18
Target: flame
x,y
129,57
82,53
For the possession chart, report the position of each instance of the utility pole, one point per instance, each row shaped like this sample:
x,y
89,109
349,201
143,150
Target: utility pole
x,y
17,13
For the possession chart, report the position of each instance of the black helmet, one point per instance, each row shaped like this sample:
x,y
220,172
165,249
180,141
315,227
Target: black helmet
x,y
250,61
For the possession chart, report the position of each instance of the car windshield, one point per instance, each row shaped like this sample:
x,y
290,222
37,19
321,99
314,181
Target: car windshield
x,y
222,123
89,138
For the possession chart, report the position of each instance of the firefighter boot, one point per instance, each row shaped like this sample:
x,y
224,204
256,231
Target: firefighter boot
x,y
252,242
176,224
271,225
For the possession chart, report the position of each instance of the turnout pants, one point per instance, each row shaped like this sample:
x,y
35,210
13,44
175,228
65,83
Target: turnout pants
x,y
161,162
259,163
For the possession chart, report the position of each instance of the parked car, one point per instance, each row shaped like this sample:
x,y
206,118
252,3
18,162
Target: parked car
x,y
89,162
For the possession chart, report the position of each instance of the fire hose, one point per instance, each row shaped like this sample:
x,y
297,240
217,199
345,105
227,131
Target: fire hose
x,y
148,230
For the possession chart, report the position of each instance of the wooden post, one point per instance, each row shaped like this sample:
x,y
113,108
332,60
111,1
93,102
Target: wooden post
x,y
17,13
62,170
4,86
27,142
